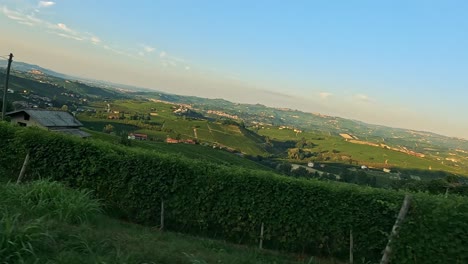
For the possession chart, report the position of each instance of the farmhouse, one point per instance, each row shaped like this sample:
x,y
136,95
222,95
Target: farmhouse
x,y
189,141
172,141
56,121
137,136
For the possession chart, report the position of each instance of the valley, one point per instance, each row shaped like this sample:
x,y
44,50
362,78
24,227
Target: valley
x,y
218,169
256,131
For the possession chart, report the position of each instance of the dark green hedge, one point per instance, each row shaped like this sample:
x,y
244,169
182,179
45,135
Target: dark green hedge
x,y
231,203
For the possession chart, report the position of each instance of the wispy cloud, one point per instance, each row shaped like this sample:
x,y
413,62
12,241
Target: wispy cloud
x,y
168,60
325,95
117,51
95,40
31,16
21,18
68,36
46,3
145,49
59,29
26,23
148,49
63,30
362,98
64,27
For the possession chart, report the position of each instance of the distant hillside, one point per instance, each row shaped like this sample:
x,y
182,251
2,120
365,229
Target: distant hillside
x,y
26,67
262,115
34,88
254,125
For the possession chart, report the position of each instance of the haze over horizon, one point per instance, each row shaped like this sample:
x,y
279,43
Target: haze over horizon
x,y
394,63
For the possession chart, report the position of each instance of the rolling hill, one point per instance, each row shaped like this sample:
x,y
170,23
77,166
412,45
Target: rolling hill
x,y
255,130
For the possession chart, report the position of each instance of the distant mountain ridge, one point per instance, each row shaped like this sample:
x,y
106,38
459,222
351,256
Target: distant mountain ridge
x,y
26,67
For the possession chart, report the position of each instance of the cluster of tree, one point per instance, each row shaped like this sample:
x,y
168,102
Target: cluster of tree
x,y
279,148
448,184
124,140
225,121
356,177
108,129
305,143
427,174
191,115
301,154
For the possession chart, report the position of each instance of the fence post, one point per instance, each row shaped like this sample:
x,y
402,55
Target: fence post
x,y
23,169
162,215
401,216
351,247
261,237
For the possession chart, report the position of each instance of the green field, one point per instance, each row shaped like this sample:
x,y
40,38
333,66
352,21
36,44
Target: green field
x,y
339,150
164,123
200,152
171,125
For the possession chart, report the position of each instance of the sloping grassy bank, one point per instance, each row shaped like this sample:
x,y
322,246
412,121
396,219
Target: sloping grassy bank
x,y
45,222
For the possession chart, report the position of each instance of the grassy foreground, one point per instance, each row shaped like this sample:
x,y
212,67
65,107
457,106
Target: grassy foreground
x,y
45,222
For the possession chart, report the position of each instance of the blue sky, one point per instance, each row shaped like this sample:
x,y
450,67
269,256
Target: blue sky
x,y
396,63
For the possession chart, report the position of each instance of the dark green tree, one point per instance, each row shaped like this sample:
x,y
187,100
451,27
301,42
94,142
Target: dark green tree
x,y
285,168
362,178
124,140
300,172
347,176
373,181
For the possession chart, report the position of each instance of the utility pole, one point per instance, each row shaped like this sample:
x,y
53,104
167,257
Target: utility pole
x,y
6,86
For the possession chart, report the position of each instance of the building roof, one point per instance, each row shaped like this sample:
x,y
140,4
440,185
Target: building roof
x,y
73,132
50,118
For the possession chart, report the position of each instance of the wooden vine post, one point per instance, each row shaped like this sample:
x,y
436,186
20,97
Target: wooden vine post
x,y
351,247
23,169
261,237
162,215
401,216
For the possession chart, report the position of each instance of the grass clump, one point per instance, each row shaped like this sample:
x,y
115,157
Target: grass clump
x,y
20,238
29,213
51,200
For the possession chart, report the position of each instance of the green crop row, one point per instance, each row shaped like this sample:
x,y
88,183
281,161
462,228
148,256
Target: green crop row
x,y
231,203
